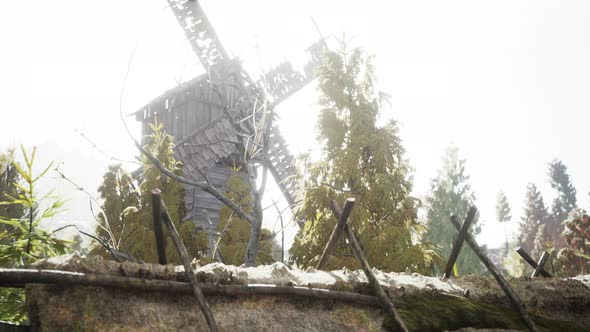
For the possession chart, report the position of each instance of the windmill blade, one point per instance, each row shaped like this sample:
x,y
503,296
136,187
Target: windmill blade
x,y
281,164
283,81
199,32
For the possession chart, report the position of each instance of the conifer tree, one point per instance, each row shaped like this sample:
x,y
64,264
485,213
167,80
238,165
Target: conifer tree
x,y
563,204
360,160
119,196
503,213
131,216
235,232
451,194
23,238
9,177
535,214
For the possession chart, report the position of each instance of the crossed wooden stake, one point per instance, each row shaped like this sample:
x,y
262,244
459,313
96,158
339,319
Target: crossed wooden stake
x,y
539,267
464,236
160,213
342,215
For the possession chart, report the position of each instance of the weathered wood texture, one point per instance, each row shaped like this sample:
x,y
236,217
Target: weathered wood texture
x,y
20,277
512,296
459,242
384,299
158,231
193,112
541,264
531,261
199,32
342,220
186,262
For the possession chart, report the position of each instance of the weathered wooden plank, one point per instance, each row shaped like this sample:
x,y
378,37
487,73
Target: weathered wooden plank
x,y
459,242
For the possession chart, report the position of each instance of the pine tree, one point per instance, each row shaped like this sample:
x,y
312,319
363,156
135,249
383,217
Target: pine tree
x,y
235,232
131,216
119,197
563,204
9,178
451,194
25,240
360,160
503,213
535,214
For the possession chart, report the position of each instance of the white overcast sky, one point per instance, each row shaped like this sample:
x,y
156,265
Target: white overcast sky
x,y
505,81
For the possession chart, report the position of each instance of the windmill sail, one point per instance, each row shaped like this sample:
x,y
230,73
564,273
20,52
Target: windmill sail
x,y
282,82
208,116
199,32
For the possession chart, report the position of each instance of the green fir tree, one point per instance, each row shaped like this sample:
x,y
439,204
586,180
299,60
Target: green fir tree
x,y
563,204
451,194
129,214
503,213
24,241
535,215
362,160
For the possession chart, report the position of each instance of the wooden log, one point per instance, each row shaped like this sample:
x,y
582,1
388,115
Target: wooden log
x,y
531,261
188,269
541,264
20,277
512,296
384,299
459,242
158,232
336,233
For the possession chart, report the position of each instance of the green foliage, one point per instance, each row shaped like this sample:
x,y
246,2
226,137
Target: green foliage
x,y
503,213
120,197
24,241
535,214
9,176
513,263
235,230
360,160
127,213
451,194
563,204
574,258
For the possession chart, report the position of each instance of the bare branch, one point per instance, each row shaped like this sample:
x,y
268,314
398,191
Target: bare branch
x,y
107,226
104,153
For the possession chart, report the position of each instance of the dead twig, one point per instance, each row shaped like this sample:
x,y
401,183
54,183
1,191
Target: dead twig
x,y
107,226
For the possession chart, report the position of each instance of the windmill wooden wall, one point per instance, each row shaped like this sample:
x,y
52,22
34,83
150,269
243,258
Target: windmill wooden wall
x,y
193,114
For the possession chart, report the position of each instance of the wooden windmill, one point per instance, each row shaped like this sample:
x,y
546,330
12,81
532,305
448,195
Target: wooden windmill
x,y
211,116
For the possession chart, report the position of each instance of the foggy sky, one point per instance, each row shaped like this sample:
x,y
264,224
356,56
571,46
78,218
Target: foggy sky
x,y
506,82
